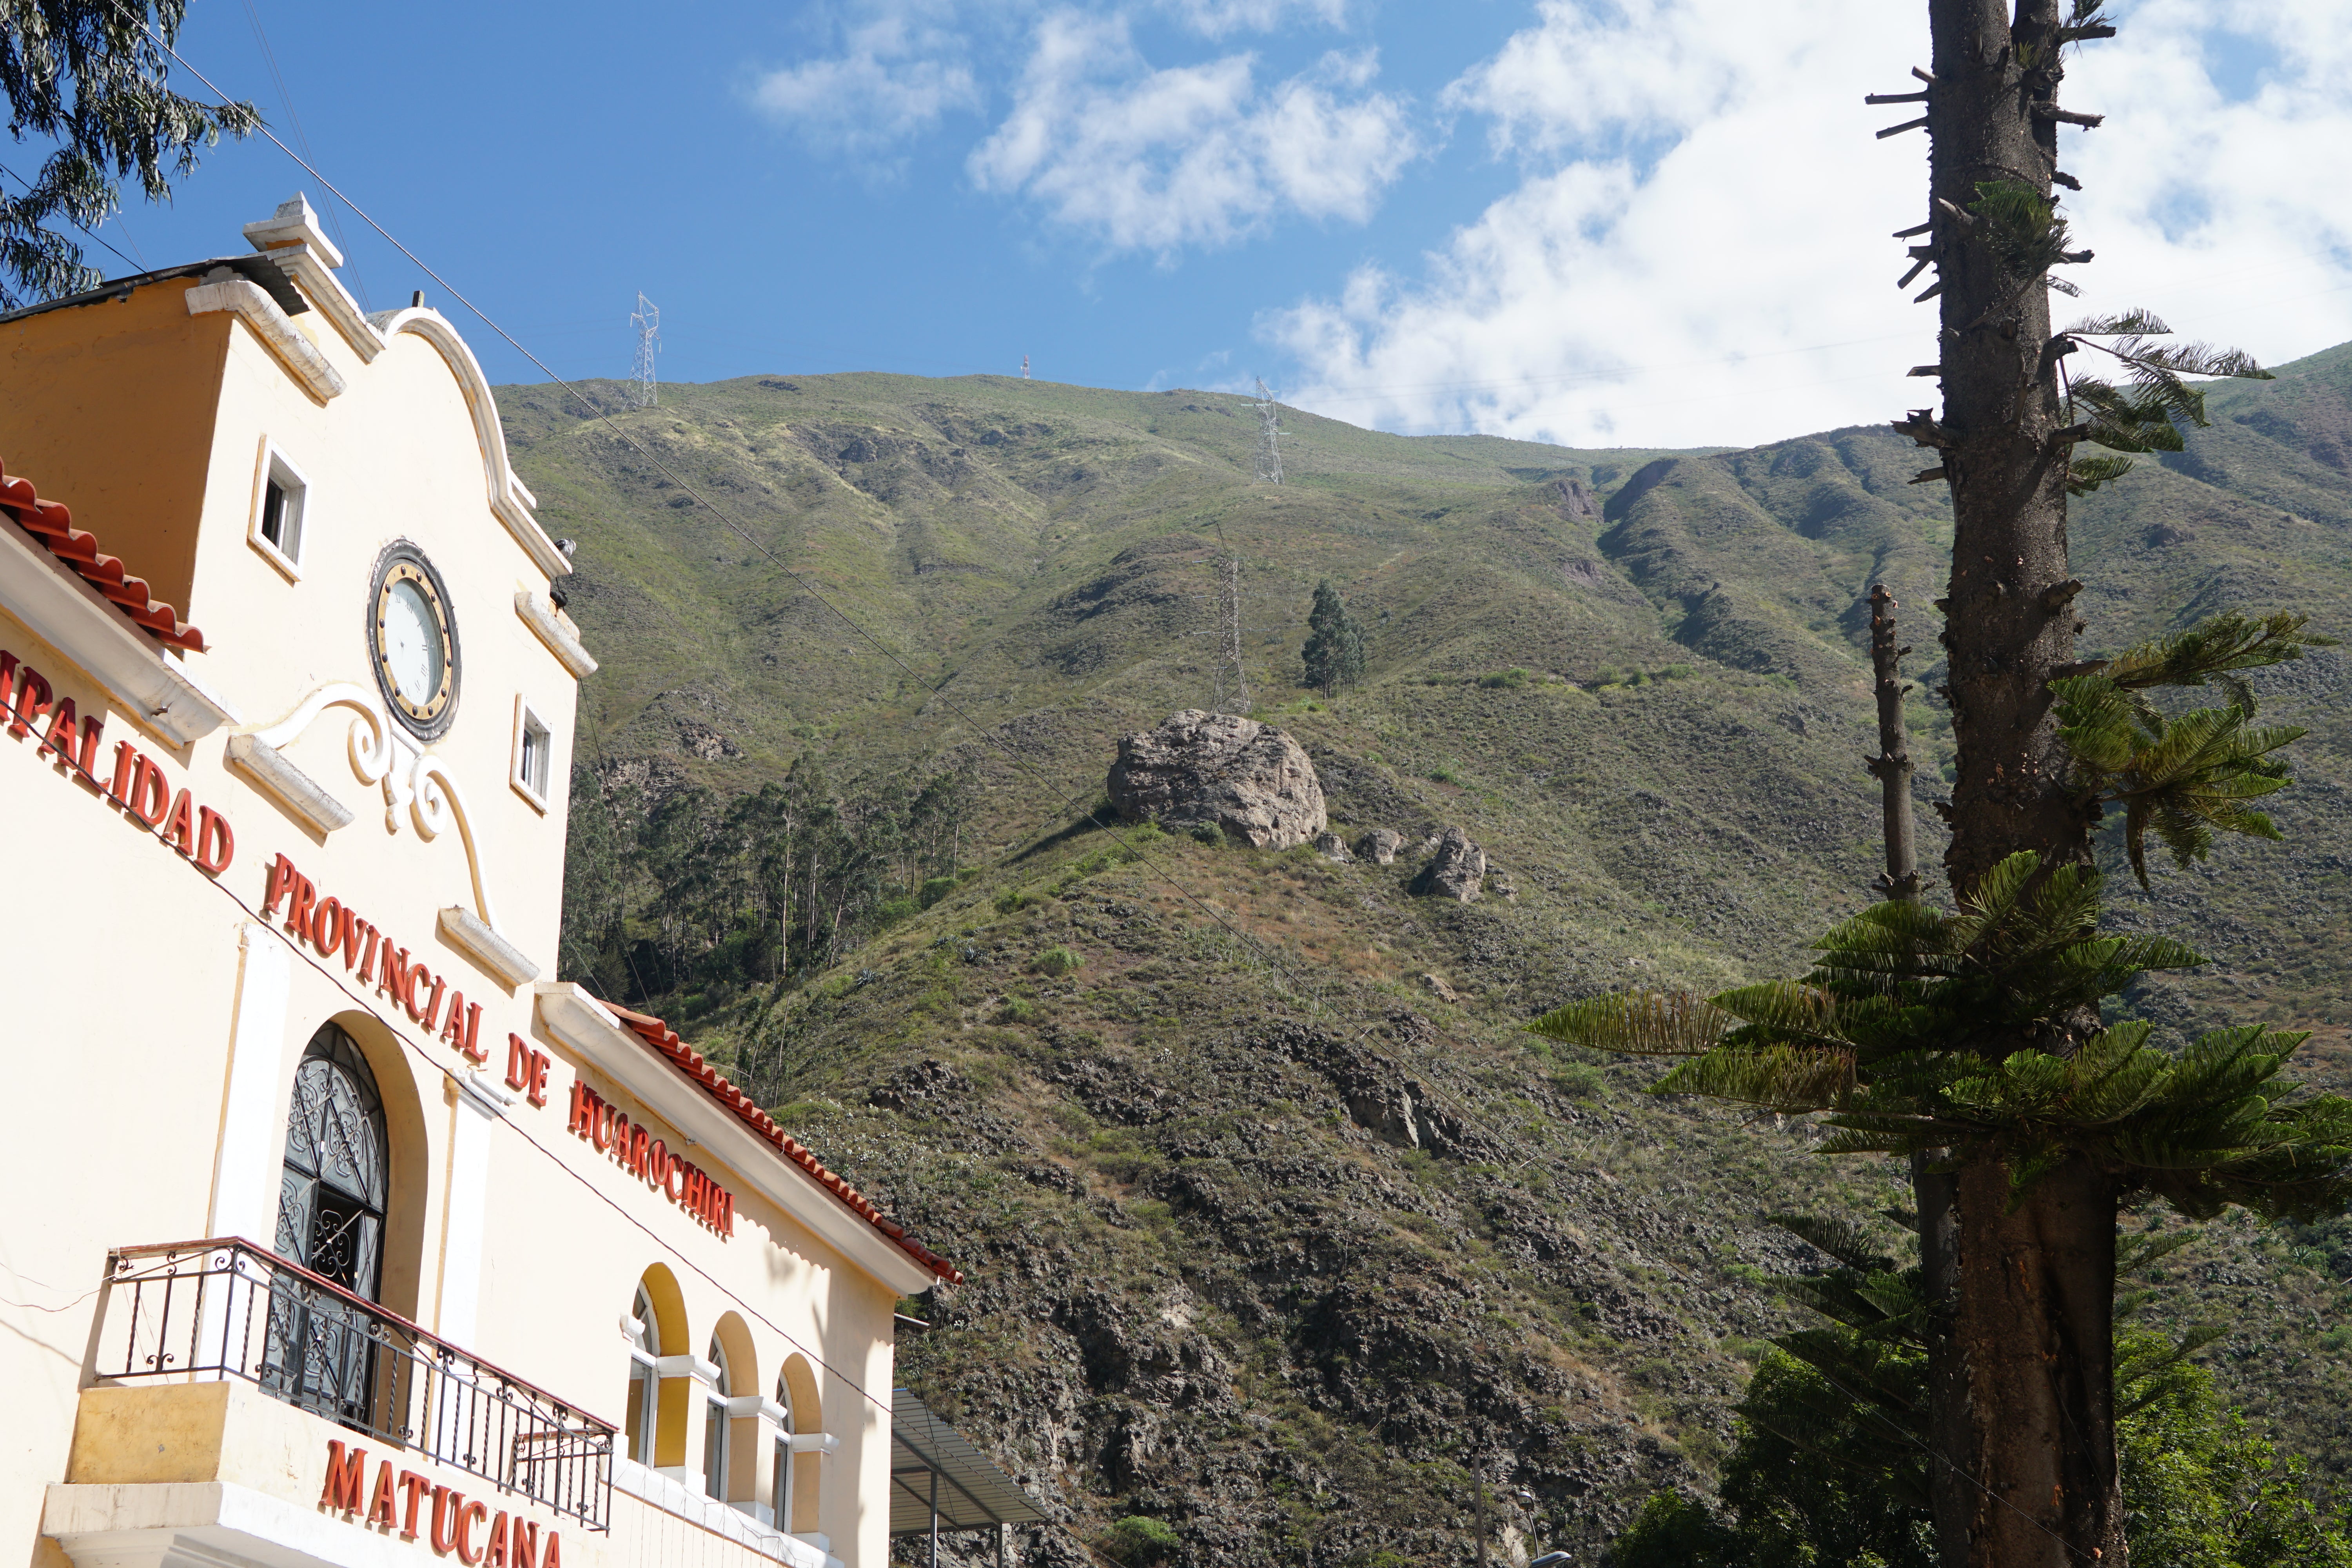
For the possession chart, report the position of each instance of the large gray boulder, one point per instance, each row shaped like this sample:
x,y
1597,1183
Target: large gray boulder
x,y
1456,869
1200,769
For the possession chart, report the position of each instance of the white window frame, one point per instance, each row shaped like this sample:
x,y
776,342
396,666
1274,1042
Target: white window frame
x,y
275,463
645,1350
782,1480
717,1423
526,720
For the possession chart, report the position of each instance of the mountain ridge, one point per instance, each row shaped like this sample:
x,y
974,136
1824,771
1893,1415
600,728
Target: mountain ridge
x,y
1267,1236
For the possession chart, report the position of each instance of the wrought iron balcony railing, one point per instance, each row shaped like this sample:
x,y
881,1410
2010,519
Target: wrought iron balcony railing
x,y
198,1311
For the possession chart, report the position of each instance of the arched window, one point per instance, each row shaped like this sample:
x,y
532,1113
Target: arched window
x,y
783,1477
331,1196
641,1414
714,1431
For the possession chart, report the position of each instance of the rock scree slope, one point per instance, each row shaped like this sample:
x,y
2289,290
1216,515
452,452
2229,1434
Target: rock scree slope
x,y
1276,1228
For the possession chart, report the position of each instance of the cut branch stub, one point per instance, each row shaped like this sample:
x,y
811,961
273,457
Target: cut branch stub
x,y
1921,427
2068,116
1917,124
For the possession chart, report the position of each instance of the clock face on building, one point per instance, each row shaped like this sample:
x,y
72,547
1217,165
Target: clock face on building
x,y
413,641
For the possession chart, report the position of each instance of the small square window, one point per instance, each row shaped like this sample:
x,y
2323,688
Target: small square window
x,y
534,749
280,504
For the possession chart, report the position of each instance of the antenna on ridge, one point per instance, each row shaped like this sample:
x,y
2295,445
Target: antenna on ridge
x,y
646,319
1269,435
1024,367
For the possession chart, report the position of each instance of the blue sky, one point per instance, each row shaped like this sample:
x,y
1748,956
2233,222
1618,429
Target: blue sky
x,y
1635,221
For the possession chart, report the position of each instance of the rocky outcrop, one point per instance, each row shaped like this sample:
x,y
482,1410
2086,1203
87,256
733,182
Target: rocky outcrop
x,y
1380,846
1456,868
1220,770
1331,846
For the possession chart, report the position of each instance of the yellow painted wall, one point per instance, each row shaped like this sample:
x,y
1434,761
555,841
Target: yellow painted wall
x,y
110,408
132,963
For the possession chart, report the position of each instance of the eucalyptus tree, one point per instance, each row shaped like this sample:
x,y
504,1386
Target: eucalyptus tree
x,y
1334,650
1975,1040
89,96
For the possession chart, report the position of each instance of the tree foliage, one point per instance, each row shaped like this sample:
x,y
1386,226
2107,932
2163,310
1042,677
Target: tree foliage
x,y
1334,654
1903,1035
1830,1465
702,890
2189,776
89,80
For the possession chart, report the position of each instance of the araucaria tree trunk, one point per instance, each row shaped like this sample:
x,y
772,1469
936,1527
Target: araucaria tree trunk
x,y
2035,1301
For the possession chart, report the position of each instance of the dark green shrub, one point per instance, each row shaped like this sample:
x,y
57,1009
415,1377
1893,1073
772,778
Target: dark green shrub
x,y
1057,961
1510,679
1137,1540
937,887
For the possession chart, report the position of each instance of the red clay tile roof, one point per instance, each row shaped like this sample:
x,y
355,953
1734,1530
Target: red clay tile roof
x,y
52,524
688,1060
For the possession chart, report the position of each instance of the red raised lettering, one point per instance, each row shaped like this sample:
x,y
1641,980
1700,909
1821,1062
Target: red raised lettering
x,y
672,1174
282,874
537,1091
580,1111
518,1063
182,829
149,788
126,769
554,1555
433,1007
216,845
522,1543
414,1487
465,1517
32,702
326,924
381,1511
298,907
446,1504
7,677
352,926
656,1169
494,1555
465,1027
64,735
86,764
346,1477
638,1141
392,970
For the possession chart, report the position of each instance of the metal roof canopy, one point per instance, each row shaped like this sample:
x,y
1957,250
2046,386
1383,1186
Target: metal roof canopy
x,y
940,1482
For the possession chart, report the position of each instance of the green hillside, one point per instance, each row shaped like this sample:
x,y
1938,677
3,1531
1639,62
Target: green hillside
x,y
1276,1226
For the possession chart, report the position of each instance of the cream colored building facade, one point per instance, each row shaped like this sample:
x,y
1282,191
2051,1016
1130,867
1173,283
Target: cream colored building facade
x,y
521,1282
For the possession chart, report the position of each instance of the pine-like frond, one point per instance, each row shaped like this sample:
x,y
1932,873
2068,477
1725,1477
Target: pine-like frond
x,y
1638,1022
1788,1078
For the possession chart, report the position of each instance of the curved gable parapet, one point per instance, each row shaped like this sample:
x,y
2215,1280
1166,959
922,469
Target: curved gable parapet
x,y
510,497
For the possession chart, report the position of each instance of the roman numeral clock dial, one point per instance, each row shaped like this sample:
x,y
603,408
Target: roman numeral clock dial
x,y
413,641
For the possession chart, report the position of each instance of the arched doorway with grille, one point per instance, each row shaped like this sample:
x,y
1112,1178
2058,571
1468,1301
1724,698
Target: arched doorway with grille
x,y
334,1192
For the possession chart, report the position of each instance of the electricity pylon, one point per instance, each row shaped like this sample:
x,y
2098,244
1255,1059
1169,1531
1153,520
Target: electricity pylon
x,y
1269,435
646,319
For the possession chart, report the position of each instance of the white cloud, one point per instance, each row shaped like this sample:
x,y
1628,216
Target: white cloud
x,y
1216,18
899,73
1155,160
1698,251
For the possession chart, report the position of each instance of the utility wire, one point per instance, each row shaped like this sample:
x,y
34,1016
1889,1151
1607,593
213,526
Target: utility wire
x,y
1070,800
93,234
285,96
1244,938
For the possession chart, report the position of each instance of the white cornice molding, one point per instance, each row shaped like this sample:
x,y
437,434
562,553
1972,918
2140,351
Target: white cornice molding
x,y
560,639
579,1021
312,274
509,499
81,623
248,303
494,953
297,791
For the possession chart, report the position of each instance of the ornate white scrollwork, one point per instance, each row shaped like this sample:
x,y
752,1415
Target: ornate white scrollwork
x,y
414,783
